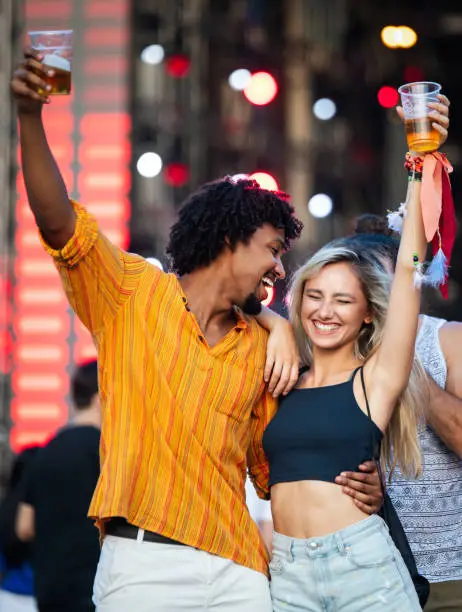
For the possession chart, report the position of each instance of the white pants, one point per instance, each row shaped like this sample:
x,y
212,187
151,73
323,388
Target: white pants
x,y
10,602
138,576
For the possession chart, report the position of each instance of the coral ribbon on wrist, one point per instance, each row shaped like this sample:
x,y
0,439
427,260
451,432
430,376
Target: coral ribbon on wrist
x,y
438,212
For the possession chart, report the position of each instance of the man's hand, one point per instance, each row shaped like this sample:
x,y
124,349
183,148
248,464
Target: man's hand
x,y
439,114
27,80
364,487
282,359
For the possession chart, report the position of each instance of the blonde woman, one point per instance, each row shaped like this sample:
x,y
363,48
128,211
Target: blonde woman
x,y
356,338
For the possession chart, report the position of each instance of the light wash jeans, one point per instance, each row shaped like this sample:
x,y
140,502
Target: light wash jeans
x,y
357,569
140,576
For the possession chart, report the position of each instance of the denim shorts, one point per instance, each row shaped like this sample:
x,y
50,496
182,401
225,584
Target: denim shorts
x,y
356,569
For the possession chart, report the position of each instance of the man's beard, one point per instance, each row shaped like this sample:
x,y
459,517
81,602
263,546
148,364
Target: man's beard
x,y
252,305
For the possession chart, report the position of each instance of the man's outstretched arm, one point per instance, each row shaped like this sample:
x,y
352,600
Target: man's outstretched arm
x,y
97,276
45,187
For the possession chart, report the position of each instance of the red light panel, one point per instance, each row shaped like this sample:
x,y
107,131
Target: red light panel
x,y
43,353
41,323
104,152
6,342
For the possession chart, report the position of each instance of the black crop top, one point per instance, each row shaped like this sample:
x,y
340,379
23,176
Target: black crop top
x,y
318,433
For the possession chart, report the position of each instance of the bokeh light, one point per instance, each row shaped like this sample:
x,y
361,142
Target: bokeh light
x,y
261,88
176,174
239,79
153,54
407,37
149,164
388,36
320,205
395,37
324,109
387,96
265,180
413,74
178,65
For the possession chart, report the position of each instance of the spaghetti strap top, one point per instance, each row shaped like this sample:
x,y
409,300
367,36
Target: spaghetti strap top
x,y
318,433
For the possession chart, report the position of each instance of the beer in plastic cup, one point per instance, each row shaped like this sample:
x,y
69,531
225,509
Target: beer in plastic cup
x,y
56,48
422,137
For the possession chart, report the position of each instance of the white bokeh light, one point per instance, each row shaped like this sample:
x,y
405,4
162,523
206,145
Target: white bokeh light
x,y
149,165
320,205
155,262
324,109
153,54
239,177
239,79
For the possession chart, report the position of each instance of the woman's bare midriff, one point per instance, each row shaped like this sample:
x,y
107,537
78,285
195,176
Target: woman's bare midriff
x,y
311,508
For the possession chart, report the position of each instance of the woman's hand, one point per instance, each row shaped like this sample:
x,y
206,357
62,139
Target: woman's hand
x,y
439,114
282,359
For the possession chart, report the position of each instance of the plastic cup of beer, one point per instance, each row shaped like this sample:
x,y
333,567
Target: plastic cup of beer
x,y
421,135
56,48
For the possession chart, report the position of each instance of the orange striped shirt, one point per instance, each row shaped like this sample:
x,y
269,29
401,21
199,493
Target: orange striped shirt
x,y
181,420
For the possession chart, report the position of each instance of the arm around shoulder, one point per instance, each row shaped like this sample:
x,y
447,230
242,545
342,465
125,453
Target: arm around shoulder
x,y
282,358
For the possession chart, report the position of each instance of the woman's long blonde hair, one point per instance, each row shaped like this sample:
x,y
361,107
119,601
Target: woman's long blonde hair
x,y
400,445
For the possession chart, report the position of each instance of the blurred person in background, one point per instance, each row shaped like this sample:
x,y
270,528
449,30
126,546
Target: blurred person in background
x,y
57,494
16,575
430,508
183,379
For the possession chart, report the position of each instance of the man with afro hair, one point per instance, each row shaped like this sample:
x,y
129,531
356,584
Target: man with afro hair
x,y
182,380
183,397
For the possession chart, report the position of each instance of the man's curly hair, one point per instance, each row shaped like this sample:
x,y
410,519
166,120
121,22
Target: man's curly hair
x,y
226,212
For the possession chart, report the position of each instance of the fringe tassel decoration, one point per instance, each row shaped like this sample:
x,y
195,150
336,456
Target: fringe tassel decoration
x,y
437,272
396,217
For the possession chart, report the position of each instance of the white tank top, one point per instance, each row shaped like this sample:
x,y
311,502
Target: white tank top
x,y
430,508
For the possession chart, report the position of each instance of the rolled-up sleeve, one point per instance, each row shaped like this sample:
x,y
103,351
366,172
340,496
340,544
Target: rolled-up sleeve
x,y
97,276
257,464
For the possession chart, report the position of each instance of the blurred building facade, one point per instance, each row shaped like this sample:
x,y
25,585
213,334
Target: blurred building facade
x,y
316,51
